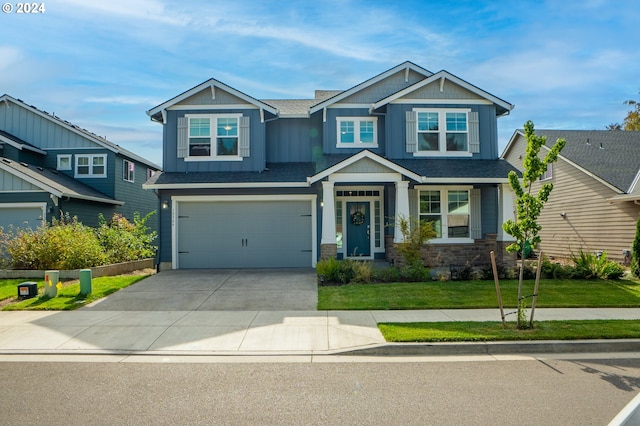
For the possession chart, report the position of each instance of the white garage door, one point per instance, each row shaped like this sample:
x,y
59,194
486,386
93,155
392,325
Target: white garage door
x,y
244,234
20,216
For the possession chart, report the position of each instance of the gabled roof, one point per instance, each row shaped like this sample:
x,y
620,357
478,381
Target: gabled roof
x,y
54,182
79,131
612,156
503,106
156,113
342,95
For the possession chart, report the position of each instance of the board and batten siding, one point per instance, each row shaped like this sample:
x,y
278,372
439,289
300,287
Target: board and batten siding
x,y
384,88
591,223
330,131
293,140
137,199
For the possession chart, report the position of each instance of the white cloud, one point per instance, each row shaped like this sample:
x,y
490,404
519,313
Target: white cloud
x,y
146,10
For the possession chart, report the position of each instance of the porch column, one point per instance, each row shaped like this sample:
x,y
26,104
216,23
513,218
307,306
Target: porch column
x,y
506,201
402,208
328,214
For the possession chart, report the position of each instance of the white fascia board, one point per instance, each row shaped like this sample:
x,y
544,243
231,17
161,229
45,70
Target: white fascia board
x,y
365,177
97,199
359,156
20,146
31,180
211,84
467,181
226,185
210,107
434,78
404,66
511,142
265,197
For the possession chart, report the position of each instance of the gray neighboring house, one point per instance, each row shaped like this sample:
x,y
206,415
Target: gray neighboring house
x,y
49,166
594,205
285,182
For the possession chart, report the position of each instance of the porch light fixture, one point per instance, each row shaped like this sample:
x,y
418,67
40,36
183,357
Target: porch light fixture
x,y
165,205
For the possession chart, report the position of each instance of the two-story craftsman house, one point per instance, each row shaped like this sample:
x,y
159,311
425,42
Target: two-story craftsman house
x,y
282,183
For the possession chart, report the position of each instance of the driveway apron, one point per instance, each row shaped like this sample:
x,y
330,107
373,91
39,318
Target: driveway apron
x,y
217,290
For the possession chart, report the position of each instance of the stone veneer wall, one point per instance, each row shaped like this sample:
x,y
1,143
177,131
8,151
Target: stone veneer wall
x,y
444,255
328,251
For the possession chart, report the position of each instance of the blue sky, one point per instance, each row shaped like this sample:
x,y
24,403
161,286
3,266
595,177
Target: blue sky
x,y
565,64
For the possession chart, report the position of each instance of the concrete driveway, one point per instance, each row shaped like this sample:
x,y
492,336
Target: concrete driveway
x,y
217,290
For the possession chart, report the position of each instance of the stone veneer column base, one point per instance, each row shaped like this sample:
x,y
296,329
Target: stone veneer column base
x,y
328,251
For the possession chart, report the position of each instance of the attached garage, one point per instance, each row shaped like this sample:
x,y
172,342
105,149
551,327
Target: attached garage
x,y
232,232
22,215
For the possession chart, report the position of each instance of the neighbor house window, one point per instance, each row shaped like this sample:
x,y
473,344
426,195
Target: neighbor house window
x,y
548,175
128,168
150,172
91,165
357,132
213,135
447,210
64,162
442,130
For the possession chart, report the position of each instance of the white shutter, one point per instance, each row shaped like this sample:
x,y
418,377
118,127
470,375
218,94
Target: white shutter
x,y
411,130
183,139
476,215
243,142
474,132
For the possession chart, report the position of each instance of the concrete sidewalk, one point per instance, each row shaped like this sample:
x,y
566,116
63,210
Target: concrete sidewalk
x,y
261,332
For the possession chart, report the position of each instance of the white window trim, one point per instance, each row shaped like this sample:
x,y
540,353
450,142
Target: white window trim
x,y
213,123
442,132
548,175
125,168
356,131
91,174
63,156
444,198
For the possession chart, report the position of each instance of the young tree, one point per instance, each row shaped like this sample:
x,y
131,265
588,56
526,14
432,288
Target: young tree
x,y
632,120
529,206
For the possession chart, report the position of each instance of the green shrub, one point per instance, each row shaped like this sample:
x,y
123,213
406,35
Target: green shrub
x,y
362,272
589,266
635,252
65,244
329,269
415,272
124,241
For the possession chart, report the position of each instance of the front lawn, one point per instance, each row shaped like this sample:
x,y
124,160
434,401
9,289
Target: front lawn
x,y
68,297
493,331
553,293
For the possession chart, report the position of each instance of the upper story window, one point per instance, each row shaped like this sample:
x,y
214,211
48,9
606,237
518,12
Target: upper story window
x,y
548,175
128,168
64,162
214,136
442,130
448,210
357,132
91,165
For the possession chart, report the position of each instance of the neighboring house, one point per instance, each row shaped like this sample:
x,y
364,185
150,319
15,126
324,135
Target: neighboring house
x,y
50,167
594,202
282,183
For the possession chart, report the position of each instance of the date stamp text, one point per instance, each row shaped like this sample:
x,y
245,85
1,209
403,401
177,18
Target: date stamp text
x,y
23,8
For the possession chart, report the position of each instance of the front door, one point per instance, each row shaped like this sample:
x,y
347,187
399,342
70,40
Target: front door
x,y
358,229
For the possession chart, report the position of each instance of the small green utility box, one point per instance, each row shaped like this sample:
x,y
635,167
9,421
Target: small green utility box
x,y
85,282
27,290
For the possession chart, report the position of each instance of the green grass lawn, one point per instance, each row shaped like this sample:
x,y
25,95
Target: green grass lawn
x,y
493,331
68,297
478,294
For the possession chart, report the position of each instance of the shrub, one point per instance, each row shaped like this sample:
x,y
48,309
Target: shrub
x,y
416,233
590,266
65,244
329,269
415,272
635,252
124,241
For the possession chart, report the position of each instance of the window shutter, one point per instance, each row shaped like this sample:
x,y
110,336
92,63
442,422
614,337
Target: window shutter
x,y
183,139
474,132
413,206
412,132
476,217
243,143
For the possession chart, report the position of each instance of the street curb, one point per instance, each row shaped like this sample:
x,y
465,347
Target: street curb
x,y
500,348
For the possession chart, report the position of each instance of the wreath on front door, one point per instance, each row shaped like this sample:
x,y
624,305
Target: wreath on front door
x,y
357,218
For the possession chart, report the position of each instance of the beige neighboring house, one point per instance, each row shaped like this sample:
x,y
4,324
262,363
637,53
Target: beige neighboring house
x,y
595,202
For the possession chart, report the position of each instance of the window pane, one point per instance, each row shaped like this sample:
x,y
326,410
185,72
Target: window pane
x,y
83,170
427,121
456,122
457,142
347,132
199,147
458,226
429,202
227,127
227,146
435,221
82,161
458,202
366,132
428,141
199,127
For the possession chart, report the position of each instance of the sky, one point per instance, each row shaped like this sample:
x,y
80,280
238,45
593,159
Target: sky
x,y
564,64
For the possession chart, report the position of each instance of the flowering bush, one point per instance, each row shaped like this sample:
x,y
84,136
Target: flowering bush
x,y
124,241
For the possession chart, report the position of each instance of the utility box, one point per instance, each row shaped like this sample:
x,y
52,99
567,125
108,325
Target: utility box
x,y
27,290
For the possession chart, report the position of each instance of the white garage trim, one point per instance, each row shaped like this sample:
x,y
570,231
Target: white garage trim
x,y
176,199
41,206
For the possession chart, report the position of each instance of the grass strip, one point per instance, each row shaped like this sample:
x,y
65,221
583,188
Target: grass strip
x,y
479,294
468,331
69,296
